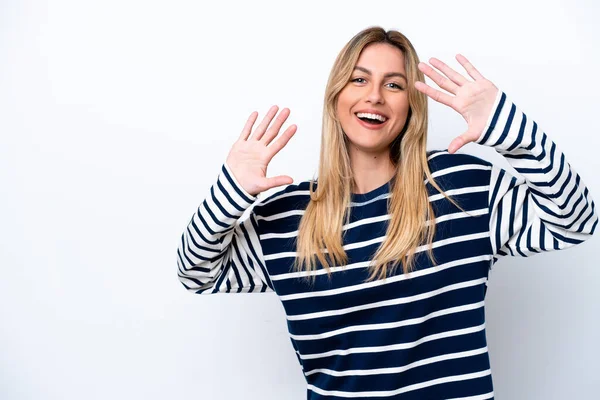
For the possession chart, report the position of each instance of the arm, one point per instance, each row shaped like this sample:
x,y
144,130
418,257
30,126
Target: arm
x,y
548,207
217,252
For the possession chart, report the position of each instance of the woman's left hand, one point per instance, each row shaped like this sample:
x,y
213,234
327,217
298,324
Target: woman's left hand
x,y
472,100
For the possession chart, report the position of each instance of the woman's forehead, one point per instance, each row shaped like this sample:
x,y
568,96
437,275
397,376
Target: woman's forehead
x,y
380,58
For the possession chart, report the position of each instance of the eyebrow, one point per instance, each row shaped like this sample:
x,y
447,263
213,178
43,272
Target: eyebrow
x,y
388,75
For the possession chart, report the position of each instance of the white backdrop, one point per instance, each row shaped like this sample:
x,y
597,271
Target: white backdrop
x,y
115,118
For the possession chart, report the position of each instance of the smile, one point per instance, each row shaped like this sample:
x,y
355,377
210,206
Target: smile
x,y
371,123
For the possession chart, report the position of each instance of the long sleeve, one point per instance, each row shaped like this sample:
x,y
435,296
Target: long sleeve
x,y
548,207
218,252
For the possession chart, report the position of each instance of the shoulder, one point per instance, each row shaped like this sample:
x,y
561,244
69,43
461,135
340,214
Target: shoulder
x,y
442,159
458,170
285,198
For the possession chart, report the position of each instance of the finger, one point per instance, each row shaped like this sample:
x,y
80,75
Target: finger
x,y
449,72
434,93
265,123
248,127
440,80
278,181
469,67
458,142
282,141
274,129
455,145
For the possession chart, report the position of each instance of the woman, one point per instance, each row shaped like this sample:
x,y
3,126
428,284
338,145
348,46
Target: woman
x,y
362,327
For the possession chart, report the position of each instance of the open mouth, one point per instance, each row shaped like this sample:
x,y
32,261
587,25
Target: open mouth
x,y
371,120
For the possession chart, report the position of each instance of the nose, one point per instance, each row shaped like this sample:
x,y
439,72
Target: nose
x,y
374,95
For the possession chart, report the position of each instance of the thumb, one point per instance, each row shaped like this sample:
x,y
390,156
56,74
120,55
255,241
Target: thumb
x,y
279,181
459,142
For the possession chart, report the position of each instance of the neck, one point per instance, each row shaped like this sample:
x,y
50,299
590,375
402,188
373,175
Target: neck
x,y
370,171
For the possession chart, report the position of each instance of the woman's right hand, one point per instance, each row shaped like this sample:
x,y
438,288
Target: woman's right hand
x,y
249,157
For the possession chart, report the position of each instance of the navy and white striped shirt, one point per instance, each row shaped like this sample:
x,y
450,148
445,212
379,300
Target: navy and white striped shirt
x,y
420,336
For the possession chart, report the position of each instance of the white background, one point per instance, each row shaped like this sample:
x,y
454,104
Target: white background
x,y
115,119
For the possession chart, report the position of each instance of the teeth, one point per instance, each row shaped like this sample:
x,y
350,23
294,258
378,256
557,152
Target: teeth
x,y
371,116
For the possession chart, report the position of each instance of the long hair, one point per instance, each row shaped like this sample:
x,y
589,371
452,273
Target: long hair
x,y
411,214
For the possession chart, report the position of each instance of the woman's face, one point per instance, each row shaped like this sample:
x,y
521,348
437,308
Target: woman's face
x,y
377,86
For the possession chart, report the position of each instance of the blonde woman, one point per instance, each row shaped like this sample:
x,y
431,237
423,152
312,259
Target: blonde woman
x,y
382,263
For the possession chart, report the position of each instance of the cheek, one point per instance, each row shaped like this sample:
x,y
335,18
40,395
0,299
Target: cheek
x,y
402,112
343,105
343,113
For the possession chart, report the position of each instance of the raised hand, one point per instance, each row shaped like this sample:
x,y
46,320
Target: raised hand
x,y
472,100
249,157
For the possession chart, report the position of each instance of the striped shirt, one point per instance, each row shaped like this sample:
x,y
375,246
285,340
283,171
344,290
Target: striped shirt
x,y
416,336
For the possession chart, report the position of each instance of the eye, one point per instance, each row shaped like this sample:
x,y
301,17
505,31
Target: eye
x,y
397,86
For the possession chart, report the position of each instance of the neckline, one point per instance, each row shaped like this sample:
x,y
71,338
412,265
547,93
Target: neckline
x,y
360,197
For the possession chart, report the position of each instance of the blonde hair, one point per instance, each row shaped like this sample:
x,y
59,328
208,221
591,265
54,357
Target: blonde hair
x,y
408,204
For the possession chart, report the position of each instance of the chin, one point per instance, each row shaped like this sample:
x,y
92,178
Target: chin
x,y
367,144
